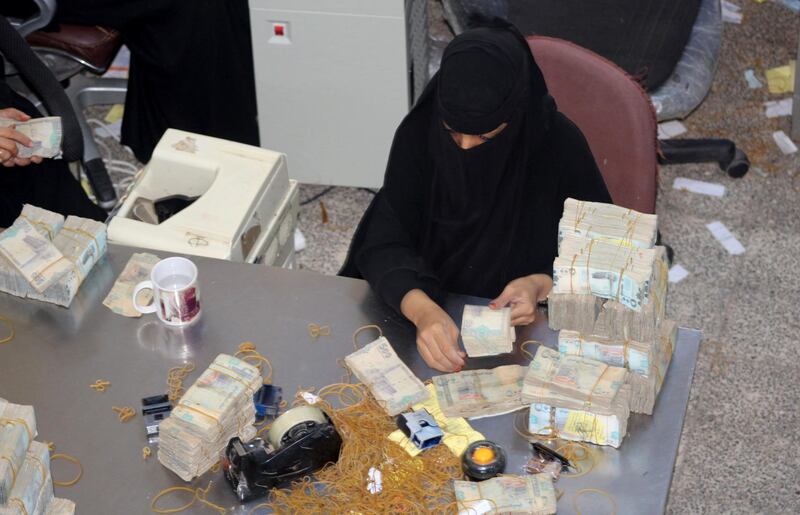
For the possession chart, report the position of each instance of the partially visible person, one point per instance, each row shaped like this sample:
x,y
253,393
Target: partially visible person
x,y
191,66
46,183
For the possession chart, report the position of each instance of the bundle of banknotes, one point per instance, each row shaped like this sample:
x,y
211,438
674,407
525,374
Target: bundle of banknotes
x,y
45,134
26,486
579,398
647,361
216,408
614,224
531,494
44,257
120,298
390,381
486,331
480,393
604,269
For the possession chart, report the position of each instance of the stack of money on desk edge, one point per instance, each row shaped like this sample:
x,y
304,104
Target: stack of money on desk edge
x,y
648,362
26,486
581,399
60,253
610,287
486,331
480,393
390,381
532,494
216,408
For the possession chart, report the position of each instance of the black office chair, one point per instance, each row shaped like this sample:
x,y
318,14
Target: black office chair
x,y
73,56
676,71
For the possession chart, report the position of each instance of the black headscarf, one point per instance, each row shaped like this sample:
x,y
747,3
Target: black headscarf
x,y
470,221
487,77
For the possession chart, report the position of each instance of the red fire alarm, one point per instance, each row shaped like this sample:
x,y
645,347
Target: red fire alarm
x,y
280,30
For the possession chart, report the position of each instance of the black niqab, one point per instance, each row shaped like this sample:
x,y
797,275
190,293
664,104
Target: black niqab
x,y
469,221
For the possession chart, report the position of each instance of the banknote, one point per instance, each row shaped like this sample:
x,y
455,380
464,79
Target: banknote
x,y
391,382
531,494
32,481
45,133
614,224
120,298
33,255
17,429
217,407
480,393
486,331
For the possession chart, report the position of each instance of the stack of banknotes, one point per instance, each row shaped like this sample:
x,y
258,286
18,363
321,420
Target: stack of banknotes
x,y
480,393
581,399
216,408
647,361
391,382
486,331
46,258
26,486
596,220
609,294
533,494
45,133
604,269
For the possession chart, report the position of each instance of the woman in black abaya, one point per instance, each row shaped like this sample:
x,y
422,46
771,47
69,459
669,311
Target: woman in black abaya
x,y
474,188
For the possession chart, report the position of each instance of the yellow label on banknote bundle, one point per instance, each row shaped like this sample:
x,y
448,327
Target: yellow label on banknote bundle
x,y
588,426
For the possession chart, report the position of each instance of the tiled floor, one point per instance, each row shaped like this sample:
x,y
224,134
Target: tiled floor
x,y
739,450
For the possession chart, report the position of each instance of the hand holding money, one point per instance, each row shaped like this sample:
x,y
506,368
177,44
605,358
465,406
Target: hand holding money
x,y
523,295
437,334
10,139
24,140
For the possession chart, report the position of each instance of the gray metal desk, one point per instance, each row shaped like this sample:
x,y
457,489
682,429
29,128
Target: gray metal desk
x,y
58,352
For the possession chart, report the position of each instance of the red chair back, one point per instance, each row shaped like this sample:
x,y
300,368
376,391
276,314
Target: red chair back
x,y
613,112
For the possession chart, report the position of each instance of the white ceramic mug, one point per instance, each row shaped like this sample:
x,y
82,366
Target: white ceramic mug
x,y
176,294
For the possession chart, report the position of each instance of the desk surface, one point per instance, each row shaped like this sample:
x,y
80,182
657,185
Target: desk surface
x,y
58,353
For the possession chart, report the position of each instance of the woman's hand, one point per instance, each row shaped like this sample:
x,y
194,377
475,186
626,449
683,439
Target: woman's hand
x,y
523,294
437,334
9,139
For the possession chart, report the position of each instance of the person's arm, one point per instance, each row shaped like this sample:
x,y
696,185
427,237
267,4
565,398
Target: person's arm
x,y
386,252
10,137
580,179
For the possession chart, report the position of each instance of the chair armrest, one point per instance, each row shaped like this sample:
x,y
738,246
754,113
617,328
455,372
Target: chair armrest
x,y
47,9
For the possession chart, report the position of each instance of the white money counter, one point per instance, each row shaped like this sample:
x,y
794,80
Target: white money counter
x,y
236,202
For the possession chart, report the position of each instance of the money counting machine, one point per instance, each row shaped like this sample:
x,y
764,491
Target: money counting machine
x,y
300,441
211,197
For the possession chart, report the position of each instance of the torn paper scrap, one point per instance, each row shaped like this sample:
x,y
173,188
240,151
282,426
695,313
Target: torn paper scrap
x,y
783,141
775,108
724,236
752,80
677,274
781,79
702,187
670,129
731,12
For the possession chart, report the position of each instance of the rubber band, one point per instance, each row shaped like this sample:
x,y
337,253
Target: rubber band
x,y
166,491
583,491
526,352
146,452
175,378
47,227
11,333
100,385
73,460
19,503
362,329
11,466
316,330
83,233
51,446
124,413
18,421
248,351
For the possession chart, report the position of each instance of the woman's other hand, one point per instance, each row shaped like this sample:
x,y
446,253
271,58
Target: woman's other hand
x,y
437,334
523,294
9,139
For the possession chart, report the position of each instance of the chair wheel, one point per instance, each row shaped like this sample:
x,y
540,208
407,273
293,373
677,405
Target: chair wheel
x,y
739,165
